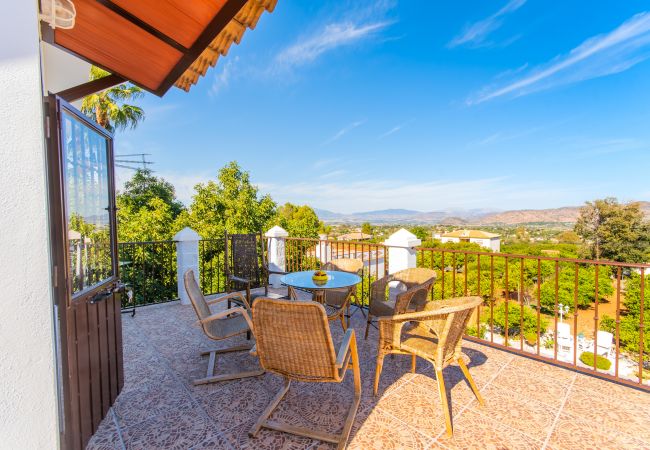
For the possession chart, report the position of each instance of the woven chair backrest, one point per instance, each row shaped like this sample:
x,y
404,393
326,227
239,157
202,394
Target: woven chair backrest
x,y
413,277
414,299
351,265
293,339
196,296
244,256
449,328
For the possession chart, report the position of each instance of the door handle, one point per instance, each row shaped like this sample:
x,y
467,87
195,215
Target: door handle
x,y
100,296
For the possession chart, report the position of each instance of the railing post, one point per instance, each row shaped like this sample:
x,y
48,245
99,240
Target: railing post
x,y
276,253
322,249
401,250
187,257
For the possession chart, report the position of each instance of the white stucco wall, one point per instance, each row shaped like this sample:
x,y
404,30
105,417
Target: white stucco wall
x,y
28,412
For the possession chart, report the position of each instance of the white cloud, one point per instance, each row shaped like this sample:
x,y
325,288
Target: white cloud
x,y
343,131
333,35
389,132
221,79
598,56
476,33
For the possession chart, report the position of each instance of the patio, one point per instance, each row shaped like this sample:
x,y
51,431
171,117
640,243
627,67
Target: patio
x,y
529,404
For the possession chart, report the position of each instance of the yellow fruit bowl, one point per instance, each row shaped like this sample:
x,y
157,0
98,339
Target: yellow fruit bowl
x,y
320,277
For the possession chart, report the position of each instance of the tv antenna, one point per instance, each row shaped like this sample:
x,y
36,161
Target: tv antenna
x,y
133,161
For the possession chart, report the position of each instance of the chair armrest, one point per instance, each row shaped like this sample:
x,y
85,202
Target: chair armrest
x,y
434,309
239,279
231,295
227,312
274,272
378,288
345,348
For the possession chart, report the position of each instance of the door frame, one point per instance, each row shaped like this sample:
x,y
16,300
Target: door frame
x,y
69,419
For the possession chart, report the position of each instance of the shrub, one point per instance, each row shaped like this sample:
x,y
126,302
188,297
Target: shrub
x,y
608,324
602,363
514,319
530,337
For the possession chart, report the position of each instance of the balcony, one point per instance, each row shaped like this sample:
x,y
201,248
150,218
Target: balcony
x,y
529,404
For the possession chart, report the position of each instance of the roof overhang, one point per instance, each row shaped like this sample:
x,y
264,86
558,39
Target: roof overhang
x,y
157,43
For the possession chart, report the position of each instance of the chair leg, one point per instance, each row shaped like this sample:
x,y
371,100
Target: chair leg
x,y
269,409
378,367
443,400
349,420
470,380
342,319
210,377
367,326
413,363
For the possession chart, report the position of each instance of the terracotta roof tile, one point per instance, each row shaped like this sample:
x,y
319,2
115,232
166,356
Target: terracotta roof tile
x,y
247,17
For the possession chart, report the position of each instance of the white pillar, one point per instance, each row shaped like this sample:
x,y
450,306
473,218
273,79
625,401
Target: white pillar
x,y
401,251
276,253
322,249
187,257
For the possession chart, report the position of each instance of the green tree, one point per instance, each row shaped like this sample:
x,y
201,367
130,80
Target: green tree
x,y
109,108
366,228
420,232
231,203
143,187
566,288
613,231
152,222
568,237
299,221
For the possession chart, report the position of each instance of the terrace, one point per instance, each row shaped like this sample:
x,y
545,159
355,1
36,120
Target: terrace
x,y
536,396
529,404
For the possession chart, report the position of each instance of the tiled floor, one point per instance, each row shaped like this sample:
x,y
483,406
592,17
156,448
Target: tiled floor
x,y
528,404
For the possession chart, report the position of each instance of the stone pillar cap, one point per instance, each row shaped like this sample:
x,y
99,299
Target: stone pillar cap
x,y
187,234
277,231
403,238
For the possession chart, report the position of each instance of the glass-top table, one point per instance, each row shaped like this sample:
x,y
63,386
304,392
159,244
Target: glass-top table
x,y
335,280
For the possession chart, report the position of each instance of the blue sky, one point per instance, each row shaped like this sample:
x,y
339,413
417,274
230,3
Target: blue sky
x,y
362,105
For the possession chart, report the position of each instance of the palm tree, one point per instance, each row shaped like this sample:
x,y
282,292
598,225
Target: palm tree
x,y
107,107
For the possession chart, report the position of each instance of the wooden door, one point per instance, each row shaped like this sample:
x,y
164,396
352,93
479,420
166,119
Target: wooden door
x,y
84,254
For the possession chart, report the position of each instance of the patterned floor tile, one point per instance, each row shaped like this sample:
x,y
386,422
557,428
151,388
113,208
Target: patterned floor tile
x,y
475,431
508,408
107,436
180,429
571,432
592,406
380,430
160,408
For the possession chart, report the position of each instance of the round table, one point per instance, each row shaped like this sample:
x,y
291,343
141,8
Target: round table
x,y
335,280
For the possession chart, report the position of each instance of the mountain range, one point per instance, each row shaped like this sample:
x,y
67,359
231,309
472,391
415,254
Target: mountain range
x,y
564,215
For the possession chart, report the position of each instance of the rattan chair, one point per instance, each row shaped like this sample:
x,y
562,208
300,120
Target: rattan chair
x,y
434,334
246,265
410,300
218,326
294,341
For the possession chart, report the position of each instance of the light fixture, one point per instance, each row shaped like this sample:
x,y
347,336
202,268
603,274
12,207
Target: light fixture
x,y
58,13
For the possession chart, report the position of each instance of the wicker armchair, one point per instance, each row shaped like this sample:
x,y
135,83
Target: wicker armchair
x,y
410,300
434,334
218,326
245,268
294,341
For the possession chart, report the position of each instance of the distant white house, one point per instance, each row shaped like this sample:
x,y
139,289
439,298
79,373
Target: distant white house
x,y
483,238
356,236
